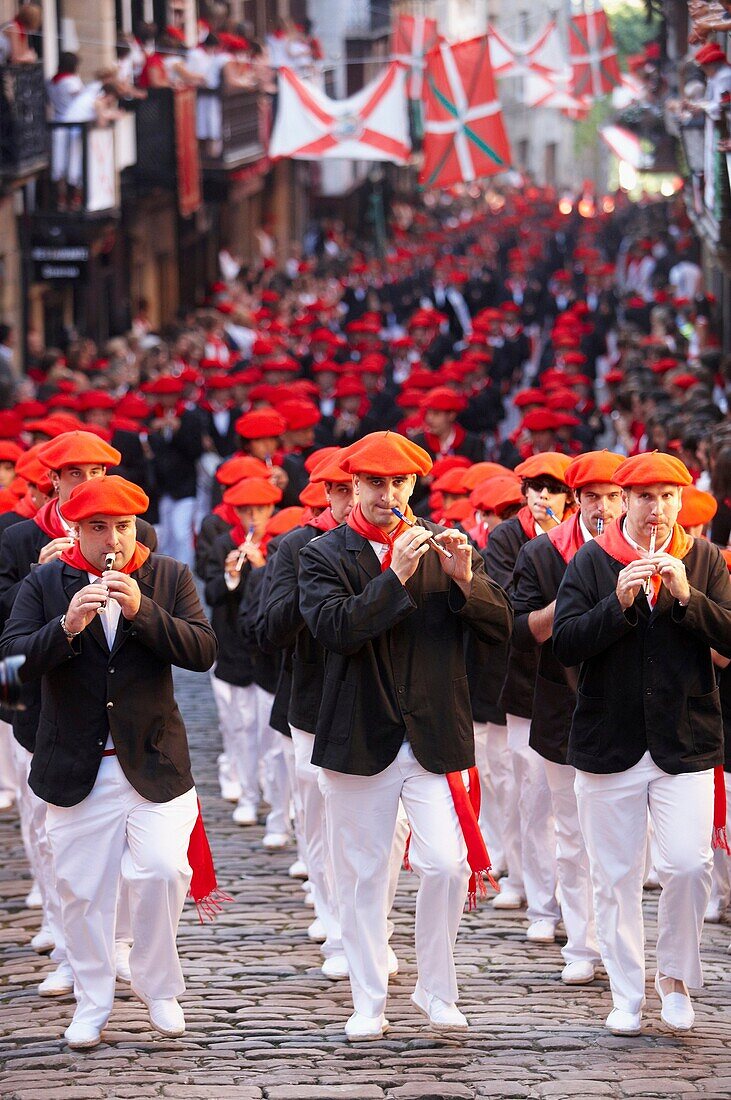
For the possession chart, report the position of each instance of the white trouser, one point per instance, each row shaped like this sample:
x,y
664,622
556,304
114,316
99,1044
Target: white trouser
x,y
721,888
500,763
222,699
7,761
113,832
276,776
175,529
23,803
289,759
361,814
490,810
572,867
238,711
537,829
613,814
34,810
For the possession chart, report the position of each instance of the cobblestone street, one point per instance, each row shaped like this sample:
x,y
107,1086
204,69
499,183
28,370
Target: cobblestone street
x,y
264,1023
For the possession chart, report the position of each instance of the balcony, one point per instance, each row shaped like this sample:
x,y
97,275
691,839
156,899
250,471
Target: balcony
x,y
707,169
167,146
232,128
24,143
84,178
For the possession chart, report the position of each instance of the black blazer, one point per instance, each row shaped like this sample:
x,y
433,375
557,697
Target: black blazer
x,y
538,574
88,692
175,458
395,664
501,554
234,665
646,680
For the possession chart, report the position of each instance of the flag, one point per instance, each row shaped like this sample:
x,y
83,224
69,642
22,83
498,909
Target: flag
x,y
543,54
593,55
553,90
370,125
413,37
464,135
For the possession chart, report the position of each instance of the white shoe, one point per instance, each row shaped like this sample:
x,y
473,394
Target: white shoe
x,y
541,931
361,1029
166,1016
7,799
33,899
230,789
652,882
121,960
81,1036
309,901
43,942
245,814
620,1022
392,963
441,1015
677,1009
58,983
713,913
508,899
579,972
316,931
336,967
275,840
298,869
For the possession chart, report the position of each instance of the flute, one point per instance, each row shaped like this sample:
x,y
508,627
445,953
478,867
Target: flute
x,y
648,582
247,542
430,541
552,515
599,525
108,564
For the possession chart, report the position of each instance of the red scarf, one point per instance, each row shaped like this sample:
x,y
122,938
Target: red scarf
x,y
369,531
239,535
203,885
466,805
25,507
614,543
324,522
48,519
567,537
435,445
526,521
226,513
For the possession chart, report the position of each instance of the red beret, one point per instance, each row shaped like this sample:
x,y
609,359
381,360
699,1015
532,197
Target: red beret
x,y
9,451
409,399
105,496
319,455
350,387
449,462
219,382
327,365
11,425
496,494
133,406
388,454
613,377
282,365
451,482
459,511
441,397
241,466
698,508
652,468
594,466
710,54
541,420
685,381
252,490
78,448
260,424
283,521
329,468
421,378
547,464
96,399
528,397
313,495
299,413
662,366
481,471
30,467
165,384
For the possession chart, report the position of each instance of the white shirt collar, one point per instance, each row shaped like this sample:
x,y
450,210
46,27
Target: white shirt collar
x,y
636,545
585,532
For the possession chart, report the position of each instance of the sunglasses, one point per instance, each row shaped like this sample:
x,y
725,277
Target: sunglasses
x,y
538,484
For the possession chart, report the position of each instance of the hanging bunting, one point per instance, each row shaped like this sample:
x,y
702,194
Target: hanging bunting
x,y
593,55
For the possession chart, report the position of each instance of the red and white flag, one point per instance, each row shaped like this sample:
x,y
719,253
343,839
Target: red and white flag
x,y
413,37
373,124
593,55
464,134
553,90
544,54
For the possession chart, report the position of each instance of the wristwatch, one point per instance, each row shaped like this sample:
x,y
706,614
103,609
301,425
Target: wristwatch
x,y
70,634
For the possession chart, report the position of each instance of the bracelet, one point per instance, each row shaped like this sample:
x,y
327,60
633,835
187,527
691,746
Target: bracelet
x,y
70,634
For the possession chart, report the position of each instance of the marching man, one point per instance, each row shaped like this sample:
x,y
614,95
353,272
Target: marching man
x,y
102,628
395,721
639,610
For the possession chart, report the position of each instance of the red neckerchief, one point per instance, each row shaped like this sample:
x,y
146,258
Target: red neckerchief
x,y
466,805
239,534
226,513
76,559
369,531
324,522
48,519
614,543
433,443
567,538
25,507
527,523
478,534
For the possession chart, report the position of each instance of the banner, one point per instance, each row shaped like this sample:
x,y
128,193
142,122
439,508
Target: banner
x,y
413,37
544,54
186,152
464,135
593,56
371,125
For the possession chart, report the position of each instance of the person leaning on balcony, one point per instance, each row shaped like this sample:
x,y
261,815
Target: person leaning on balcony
x,y
14,47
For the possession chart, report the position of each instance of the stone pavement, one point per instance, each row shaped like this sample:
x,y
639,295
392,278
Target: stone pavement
x,y
263,1024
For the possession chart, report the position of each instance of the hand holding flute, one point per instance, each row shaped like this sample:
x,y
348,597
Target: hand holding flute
x,y
653,539
109,560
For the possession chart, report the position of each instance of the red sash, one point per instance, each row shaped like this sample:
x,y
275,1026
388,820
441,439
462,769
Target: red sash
x,y
567,537
48,519
614,543
466,805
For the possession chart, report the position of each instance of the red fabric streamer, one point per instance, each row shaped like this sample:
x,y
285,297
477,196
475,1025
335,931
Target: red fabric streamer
x,y
204,889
